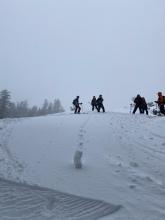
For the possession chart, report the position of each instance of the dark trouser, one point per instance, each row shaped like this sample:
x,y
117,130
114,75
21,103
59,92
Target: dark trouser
x,y
144,109
77,109
94,107
162,110
101,106
140,109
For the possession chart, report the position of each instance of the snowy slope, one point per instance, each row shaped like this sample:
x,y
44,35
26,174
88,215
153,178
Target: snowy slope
x,y
123,165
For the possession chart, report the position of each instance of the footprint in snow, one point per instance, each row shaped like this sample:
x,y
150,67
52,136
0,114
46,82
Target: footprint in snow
x,y
133,164
81,144
132,186
134,180
117,171
81,136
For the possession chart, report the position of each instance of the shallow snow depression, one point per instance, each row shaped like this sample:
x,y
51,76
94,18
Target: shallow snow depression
x,y
121,175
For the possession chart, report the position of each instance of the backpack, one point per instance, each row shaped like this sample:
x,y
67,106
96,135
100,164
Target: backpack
x,y
74,102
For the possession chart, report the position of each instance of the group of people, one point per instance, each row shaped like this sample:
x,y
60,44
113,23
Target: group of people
x,y
141,104
96,103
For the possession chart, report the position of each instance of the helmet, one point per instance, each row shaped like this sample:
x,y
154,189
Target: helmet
x,y
159,93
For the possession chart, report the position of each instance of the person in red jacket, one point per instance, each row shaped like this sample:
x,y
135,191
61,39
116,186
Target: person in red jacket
x,y
161,102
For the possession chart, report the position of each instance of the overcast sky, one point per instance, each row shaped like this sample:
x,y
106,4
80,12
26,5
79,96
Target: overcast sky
x,y
63,48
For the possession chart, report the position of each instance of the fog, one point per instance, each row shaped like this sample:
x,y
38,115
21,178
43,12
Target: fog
x,y
61,49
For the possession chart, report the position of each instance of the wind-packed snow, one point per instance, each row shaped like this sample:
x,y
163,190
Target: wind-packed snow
x,y
122,175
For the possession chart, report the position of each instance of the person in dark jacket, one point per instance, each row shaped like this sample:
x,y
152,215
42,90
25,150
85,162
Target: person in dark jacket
x,y
138,104
100,103
94,103
144,106
161,102
77,105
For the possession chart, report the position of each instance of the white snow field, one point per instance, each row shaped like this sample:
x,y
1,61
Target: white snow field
x,y
121,178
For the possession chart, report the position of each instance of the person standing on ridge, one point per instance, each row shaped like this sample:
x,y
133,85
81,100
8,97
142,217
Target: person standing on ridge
x,y
77,105
138,104
100,103
94,103
144,106
161,102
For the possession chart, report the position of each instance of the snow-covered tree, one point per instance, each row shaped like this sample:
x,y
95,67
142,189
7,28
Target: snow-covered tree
x,y
4,103
44,109
33,111
57,107
22,109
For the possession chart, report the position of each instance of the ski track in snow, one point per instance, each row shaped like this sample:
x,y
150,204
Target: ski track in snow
x,y
10,167
147,145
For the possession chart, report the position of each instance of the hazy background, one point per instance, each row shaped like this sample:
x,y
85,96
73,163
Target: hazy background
x,y
60,49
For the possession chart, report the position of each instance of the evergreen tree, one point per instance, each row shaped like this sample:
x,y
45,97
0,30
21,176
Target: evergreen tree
x,y
4,103
12,110
57,107
50,108
33,111
22,109
45,106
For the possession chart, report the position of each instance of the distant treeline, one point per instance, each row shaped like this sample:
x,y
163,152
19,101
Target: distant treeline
x,y
9,109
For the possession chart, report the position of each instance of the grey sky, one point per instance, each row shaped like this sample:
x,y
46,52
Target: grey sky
x,y
64,48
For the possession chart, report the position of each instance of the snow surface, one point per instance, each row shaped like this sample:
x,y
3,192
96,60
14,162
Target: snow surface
x,y
122,175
